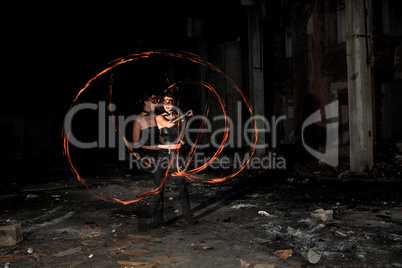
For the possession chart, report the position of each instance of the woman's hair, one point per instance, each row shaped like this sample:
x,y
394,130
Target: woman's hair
x,y
167,94
141,102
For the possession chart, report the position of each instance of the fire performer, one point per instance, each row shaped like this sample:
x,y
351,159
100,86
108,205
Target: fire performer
x,y
145,130
169,133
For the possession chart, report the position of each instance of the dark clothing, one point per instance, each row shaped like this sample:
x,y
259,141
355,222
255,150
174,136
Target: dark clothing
x,y
169,135
149,136
164,157
146,153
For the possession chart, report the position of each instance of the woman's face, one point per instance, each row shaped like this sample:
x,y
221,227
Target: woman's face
x,y
150,102
168,103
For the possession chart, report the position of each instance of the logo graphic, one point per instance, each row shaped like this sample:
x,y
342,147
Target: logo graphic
x,y
331,147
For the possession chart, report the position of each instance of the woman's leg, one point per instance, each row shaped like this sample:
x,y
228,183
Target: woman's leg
x,y
185,199
158,198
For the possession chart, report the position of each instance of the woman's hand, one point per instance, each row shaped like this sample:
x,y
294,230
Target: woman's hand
x,y
190,113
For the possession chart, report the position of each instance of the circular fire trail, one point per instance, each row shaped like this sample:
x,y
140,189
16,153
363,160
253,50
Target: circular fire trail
x,y
188,174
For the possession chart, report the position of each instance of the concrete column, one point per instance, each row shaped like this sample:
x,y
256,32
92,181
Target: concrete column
x,y
358,53
256,71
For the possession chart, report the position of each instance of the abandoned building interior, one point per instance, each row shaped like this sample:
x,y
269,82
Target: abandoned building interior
x,y
310,90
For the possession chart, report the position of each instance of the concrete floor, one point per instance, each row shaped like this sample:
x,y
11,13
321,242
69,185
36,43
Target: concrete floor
x,y
240,224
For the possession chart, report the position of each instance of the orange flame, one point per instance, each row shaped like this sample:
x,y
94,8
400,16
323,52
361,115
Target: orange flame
x,y
190,174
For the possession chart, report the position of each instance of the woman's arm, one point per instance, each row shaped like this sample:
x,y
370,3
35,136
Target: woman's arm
x,y
162,122
169,146
136,133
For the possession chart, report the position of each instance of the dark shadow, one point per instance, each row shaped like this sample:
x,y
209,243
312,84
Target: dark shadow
x,y
241,188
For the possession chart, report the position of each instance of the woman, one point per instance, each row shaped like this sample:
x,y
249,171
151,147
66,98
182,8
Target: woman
x,y
169,133
145,130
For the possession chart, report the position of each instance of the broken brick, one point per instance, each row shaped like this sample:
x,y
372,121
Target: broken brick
x,y
324,215
10,235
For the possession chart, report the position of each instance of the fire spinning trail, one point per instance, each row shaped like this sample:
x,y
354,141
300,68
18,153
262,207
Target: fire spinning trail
x,y
188,174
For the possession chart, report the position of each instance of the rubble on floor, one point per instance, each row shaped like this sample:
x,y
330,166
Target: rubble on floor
x,y
257,220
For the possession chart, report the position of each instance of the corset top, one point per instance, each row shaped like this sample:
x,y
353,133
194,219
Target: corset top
x,y
169,135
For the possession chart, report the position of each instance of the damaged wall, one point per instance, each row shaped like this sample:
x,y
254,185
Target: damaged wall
x,y
387,38
317,61
315,72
